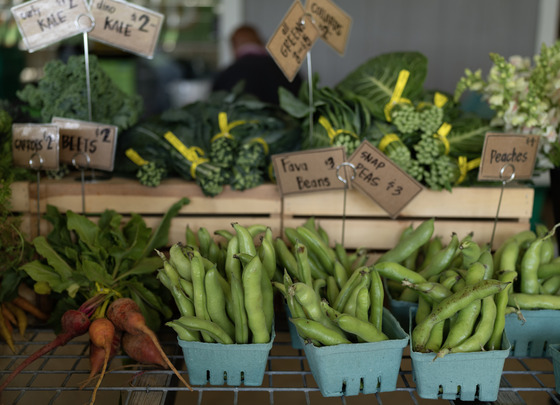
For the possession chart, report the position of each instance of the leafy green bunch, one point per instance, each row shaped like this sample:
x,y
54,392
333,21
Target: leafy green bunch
x,y
426,138
62,92
524,95
80,258
233,136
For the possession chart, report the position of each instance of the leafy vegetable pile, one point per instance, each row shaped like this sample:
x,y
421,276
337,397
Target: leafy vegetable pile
x,y
225,140
523,94
14,250
82,259
424,132
62,92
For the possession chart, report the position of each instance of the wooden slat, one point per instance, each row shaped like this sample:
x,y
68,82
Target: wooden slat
x,y
471,202
19,201
126,196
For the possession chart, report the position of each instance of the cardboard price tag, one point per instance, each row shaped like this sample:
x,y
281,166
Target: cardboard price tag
x,y
333,23
35,146
45,22
308,171
382,180
294,37
127,26
82,138
504,154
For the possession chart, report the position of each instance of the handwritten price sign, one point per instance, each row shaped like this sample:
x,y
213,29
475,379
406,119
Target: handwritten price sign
x,y
291,41
504,154
308,171
382,180
35,146
45,22
127,26
96,141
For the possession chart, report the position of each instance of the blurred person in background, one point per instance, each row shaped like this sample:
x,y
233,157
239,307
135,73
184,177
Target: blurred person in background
x,y
255,67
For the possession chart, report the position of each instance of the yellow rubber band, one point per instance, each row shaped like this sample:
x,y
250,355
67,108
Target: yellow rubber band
x,y
262,142
441,134
135,157
387,140
193,154
331,132
396,97
440,99
225,127
221,135
465,167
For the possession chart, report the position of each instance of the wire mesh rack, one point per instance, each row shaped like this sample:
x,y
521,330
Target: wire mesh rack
x,y
61,377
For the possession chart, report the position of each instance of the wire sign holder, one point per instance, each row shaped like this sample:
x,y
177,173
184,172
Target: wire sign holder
x,y
39,158
82,169
346,183
504,182
507,157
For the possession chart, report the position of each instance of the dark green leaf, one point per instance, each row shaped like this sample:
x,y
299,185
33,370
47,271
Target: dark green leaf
x,y
153,320
41,272
11,279
146,265
86,230
58,264
374,80
95,272
161,236
59,237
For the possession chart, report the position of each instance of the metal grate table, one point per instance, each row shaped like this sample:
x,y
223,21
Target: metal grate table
x,y
57,377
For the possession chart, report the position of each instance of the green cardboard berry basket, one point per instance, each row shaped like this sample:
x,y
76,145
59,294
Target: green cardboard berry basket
x,y
297,342
399,308
531,336
554,352
367,368
219,364
459,376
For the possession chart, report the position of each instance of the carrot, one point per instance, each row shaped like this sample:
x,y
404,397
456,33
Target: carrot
x,y
20,316
126,315
8,315
6,332
28,307
74,323
101,334
142,349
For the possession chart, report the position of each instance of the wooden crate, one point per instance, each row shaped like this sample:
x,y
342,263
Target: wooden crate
x,y
367,225
261,205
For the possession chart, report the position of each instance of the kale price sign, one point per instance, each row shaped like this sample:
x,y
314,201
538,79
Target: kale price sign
x,y
309,170
126,26
35,146
382,180
45,22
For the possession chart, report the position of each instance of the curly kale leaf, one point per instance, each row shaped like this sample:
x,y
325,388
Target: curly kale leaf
x,y
62,92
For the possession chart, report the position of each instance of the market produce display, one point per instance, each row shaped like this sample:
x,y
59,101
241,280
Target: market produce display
x,y
523,93
62,92
463,291
224,293
425,132
225,140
